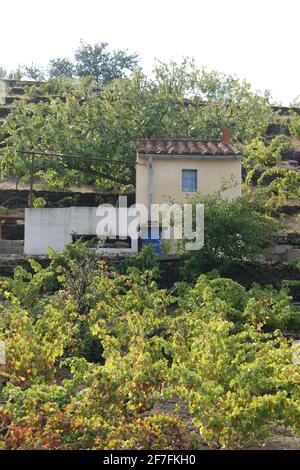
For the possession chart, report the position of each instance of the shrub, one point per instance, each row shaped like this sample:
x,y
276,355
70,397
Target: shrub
x,y
153,433
263,308
146,260
212,351
271,308
233,231
237,384
34,343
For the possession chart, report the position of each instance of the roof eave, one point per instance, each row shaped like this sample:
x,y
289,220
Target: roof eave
x,y
193,156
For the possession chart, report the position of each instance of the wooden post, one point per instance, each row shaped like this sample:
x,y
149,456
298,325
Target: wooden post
x,y
31,180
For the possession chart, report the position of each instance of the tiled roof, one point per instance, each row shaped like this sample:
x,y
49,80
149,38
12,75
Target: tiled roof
x,y
185,147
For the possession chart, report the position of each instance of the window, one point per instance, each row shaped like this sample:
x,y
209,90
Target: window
x,y
189,181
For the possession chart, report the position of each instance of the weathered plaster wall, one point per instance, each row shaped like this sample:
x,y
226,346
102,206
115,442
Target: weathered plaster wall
x,y
167,177
53,228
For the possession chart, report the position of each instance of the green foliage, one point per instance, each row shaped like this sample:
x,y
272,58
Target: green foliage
x,y
296,263
39,202
152,433
234,230
262,162
258,155
237,385
77,117
33,72
62,417
271,308
294,124
28,287
104,66
34,342
145,261
90,60
61,67
208,347
96,61
237,378
285,185
262,308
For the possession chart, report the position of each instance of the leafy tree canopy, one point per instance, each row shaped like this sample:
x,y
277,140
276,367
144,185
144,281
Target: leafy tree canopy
x,y
61,67
104,66
34,72
90,60
81,118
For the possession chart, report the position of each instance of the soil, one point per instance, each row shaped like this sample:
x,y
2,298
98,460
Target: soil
x,y
281,439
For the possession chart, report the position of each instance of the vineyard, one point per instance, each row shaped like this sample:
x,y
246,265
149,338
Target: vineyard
x,y
91,351
131,355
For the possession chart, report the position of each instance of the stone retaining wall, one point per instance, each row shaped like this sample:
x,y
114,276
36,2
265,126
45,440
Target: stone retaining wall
x,y
287,248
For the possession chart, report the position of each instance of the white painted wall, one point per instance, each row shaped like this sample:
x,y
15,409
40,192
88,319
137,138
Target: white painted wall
x,y
53,228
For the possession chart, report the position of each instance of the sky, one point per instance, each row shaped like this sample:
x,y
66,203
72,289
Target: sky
x,y
257,40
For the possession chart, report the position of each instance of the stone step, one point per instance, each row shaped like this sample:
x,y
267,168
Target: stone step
x,y
4,111
11,247
15,252
11,243
293,254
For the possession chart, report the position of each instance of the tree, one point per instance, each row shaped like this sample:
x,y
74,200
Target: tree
x,y
16,74
96,61
83,119
61,67
90,60
34,72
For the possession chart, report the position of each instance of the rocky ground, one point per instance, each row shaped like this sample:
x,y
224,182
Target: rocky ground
x,y
281,439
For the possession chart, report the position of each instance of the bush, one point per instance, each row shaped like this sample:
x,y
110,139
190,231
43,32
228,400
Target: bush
x,y
263,308
233,231
237,384
145,261
212,351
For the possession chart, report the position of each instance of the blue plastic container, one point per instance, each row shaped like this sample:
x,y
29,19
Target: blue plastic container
x,y
153,239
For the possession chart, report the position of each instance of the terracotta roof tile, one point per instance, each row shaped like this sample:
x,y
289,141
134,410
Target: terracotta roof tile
x,y
185,147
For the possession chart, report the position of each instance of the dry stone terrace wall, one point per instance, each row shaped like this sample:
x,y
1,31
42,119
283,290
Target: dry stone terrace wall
x,y
15,201
287,246
18,199
246,274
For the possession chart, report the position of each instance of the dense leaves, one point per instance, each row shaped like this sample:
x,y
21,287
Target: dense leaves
x,y
80,118
90,60
95,119
213,347
234,230
263,164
